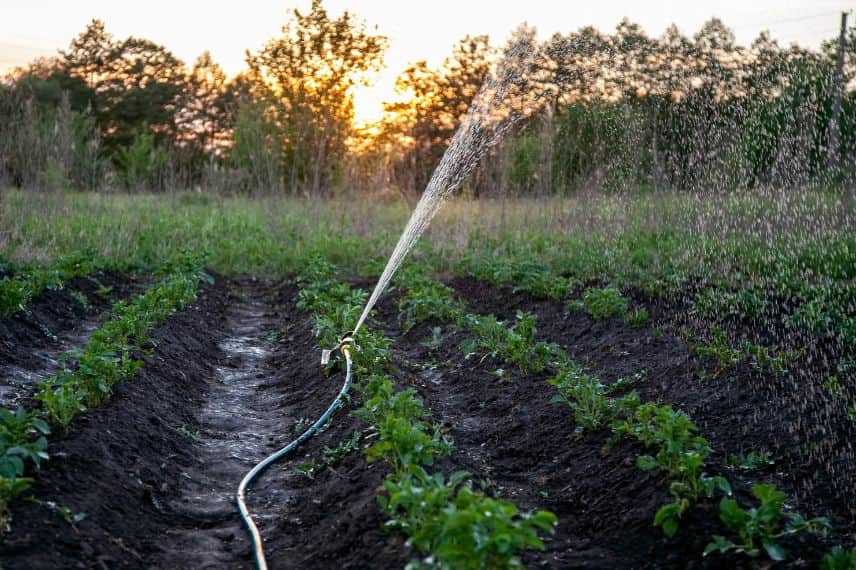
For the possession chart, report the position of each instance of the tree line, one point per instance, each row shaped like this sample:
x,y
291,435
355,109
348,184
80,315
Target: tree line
x,y
617,112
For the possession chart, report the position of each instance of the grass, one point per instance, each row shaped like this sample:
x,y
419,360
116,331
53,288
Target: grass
x,y
731,256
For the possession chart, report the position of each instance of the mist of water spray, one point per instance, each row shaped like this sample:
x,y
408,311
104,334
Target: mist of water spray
x,y
507,95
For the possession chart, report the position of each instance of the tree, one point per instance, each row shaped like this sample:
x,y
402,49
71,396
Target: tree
x,y
207,114
135,83
421,125
307,76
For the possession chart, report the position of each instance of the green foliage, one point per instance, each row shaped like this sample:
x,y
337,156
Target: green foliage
x,y
637,317
721,303
839,559
752,461
22,442
601,303
18,290
460,527
333,455
523,276
720,349
761,527
425,299
680,454
515,344
589,398
106,358
763,359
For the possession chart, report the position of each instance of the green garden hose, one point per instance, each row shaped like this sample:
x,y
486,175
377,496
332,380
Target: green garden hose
x,y
258,551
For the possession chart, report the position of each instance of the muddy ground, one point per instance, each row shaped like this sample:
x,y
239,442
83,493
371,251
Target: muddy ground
x,y
237,375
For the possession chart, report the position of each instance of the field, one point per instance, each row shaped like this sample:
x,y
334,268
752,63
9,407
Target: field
x,y
647,381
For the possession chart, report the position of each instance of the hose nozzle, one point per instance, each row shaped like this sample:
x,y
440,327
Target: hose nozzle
x,y
344,344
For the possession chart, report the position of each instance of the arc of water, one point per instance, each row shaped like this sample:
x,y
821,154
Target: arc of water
x,y
506,96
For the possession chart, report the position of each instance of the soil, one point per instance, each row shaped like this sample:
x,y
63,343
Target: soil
x,y
32,341
235,377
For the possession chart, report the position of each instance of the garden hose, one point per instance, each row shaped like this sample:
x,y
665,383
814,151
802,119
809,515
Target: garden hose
x,y
344,346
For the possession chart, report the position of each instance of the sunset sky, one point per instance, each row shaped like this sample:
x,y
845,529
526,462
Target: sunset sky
x,y
424,30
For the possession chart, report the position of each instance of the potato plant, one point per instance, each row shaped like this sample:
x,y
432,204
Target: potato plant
x,y
762,526
22,443
425,299
18,290
106,359
523,276
601,303
445,519
515,344
86,379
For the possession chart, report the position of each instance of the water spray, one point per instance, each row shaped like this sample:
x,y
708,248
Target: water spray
x,y
507,96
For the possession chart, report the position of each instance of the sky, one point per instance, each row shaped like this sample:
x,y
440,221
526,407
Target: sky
x,y
417,30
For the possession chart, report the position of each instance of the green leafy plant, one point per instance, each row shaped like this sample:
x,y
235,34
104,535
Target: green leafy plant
x,y
17,291
106,359
436,340
460,527
751,461
680,453
637,317
601,303
588,398
763,359
309,469
720,349
333,455
761,527
81,298
425,299
22,442
515,344
839,559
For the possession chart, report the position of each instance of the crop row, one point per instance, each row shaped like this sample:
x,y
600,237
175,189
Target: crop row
x,y
670,437
813,288
88,376
16,291
452,524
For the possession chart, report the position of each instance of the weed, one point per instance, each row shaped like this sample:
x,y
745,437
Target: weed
x,y
333,455
194,435
300,425
103,292
637,317
436,340
309,469
81,299
752,461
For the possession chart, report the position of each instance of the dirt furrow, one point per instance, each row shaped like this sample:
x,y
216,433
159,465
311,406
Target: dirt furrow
x,y
32,342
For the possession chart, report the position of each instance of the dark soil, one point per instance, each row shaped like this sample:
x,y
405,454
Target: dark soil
x,y
156,468
56,321
235,376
